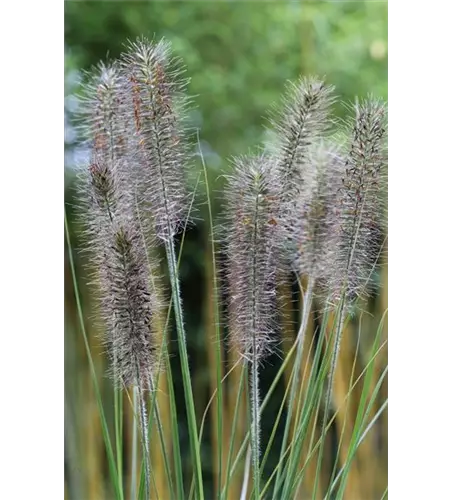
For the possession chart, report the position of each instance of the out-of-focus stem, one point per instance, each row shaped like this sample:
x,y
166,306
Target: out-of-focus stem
x,y
296,373
182,344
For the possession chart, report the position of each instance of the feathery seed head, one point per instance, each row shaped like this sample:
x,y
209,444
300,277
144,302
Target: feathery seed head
x,y
122,269
356,242
128,304
101,114
311,219
103,187
254,248
155,103
302,119
103,126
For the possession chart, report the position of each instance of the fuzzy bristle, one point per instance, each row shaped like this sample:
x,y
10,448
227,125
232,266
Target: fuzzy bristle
x,y
129,306
299,122
101,118
254,252
154,93
357,238
103,191
121,270
119,262
311,219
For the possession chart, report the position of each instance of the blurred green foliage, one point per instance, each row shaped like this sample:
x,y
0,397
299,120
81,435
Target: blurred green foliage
x,y
240,54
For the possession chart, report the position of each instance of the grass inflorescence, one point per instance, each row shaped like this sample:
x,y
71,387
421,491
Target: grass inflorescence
x,y
308,204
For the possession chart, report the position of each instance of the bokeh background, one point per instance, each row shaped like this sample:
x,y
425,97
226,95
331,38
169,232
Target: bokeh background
x,y
239,56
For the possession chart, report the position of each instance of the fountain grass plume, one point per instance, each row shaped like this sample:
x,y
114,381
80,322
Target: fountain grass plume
x,y
156,108
254,250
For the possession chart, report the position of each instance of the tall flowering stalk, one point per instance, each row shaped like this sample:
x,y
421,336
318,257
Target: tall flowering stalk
x,y
357,221
299,125
355,241
128,300
355,224
155,100
254,249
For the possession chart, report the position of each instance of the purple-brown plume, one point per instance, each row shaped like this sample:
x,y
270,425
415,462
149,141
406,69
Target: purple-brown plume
x,y
254,249
312,217
117,249
154,94
357,238
301,120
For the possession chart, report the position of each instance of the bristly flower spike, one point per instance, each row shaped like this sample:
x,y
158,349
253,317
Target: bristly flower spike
x,y
128,302
103,128
254,247
310,222
154,91
254,252
299,122
101,118
122,268
356,242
